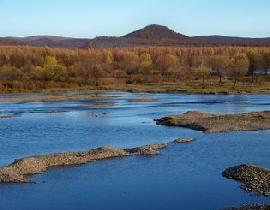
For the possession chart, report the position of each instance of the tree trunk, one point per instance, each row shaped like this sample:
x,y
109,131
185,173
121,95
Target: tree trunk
x,y
203,81
234,84
220,79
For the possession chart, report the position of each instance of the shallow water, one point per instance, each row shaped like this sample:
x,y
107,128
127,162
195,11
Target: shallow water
x,y
184,176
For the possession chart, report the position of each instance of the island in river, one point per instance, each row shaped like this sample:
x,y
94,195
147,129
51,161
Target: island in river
x,y
211,123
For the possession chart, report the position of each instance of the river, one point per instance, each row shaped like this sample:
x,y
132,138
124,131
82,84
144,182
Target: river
x,y
183,176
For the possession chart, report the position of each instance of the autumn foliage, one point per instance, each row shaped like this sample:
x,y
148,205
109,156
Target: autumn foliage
x,y
34,68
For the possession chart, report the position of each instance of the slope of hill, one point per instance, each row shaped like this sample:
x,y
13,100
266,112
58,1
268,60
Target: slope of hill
x,y
49,41
162,36
150,36
155,32
234,41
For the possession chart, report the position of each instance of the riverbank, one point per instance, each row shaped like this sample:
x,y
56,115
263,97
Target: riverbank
x,y
212,87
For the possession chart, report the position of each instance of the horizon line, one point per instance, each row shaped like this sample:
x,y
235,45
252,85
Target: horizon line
x,y
96,36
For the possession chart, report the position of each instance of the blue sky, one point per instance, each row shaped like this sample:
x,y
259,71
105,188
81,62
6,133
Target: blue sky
x,y
90,18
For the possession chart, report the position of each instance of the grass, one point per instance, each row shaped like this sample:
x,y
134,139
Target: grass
x,y
212,86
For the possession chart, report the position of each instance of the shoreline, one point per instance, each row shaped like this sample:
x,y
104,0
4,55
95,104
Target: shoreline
x,y
185,88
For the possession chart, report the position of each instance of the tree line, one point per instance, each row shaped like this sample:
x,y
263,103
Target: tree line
x,y
35,68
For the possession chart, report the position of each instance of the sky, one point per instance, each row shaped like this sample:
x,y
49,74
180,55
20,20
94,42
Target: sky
x,y
90,18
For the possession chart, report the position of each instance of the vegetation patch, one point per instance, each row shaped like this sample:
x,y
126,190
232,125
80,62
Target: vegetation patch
x,y
24,68
252,177
219,123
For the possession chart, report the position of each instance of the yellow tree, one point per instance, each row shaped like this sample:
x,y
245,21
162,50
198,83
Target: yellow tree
x,y
219,65
238,67
146,63
52,70
202,71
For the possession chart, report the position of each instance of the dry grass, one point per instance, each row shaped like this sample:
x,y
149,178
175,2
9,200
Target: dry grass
x,y
212,86
194,87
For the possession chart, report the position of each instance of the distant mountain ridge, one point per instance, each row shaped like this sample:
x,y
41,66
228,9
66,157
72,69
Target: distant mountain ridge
x,y
42,41
151,36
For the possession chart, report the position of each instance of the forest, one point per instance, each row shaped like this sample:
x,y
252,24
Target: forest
x,y
24,68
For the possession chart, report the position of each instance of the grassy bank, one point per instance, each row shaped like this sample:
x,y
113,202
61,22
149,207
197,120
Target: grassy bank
x,y
190,87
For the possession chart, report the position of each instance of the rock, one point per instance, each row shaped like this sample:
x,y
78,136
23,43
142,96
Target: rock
x,y
5,116
148,151
253,178
183,140
252,207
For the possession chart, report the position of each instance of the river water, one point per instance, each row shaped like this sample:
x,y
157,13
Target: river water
x,y
184,176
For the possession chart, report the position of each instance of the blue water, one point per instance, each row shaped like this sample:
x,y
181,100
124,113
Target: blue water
x,y
186,176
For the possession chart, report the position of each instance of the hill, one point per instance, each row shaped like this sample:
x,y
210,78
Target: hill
x,y
161,36
150,36
42,41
